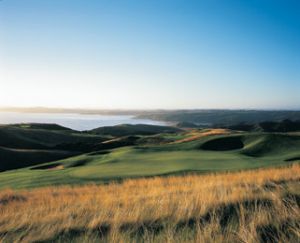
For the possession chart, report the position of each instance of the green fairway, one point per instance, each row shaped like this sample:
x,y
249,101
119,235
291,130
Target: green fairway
x,y
208,154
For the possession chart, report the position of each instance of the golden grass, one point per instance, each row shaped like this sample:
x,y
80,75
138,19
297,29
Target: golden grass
x,y
196,134
248,206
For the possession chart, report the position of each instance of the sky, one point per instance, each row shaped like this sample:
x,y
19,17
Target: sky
x,y
142,54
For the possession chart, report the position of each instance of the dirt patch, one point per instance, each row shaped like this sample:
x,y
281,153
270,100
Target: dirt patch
x,y
55,166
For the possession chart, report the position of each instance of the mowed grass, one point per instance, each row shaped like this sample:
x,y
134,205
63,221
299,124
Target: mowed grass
x,y
204,155
250,206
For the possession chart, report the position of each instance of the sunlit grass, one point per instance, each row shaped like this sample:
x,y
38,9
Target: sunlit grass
x,y
230,207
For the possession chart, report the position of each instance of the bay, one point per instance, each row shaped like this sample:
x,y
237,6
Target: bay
x,y
80,122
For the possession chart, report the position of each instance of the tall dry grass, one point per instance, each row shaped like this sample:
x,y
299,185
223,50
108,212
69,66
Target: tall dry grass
x,y
196,134
250,206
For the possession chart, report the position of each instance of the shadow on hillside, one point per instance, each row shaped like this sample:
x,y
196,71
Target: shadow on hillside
x,y
223,144
293,159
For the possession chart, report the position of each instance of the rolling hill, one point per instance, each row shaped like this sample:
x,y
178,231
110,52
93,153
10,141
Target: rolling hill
x,y
23,145
131,155
139,129
92,186
217,118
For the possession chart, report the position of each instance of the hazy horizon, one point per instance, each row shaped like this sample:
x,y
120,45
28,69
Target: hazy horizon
x,y
149,55
99,110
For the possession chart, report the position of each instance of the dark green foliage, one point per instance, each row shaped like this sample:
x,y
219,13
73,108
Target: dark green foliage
x,y
223,117
185,124
284,126
268,126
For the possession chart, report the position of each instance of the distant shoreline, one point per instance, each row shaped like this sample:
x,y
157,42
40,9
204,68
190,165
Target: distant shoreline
x,y
75,121
133,112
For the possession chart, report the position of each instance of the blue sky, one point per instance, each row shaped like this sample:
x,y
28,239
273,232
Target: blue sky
x,y
150,54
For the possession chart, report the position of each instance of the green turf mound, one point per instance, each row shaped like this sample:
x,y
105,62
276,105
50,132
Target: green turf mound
x,y
271,144
223,144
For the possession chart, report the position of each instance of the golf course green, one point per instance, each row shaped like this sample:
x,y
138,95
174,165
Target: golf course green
x,y
113,158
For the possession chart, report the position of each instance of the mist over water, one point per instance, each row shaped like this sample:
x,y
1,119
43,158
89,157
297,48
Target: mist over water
x,y
80,122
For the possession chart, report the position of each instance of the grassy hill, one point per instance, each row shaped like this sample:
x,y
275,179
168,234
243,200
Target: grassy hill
x,y
29,144
221,117
23,145
122,184
210,153
41,136
268,126
272,145
128,129
18,158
